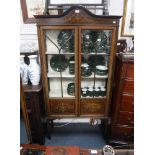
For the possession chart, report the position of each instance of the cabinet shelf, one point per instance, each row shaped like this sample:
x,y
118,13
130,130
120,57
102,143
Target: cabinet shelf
x,y
95,54
66,75
57,75
100,97
96,76
56,53
61,53
57,94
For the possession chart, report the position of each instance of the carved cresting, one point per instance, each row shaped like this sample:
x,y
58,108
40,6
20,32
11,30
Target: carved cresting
x,y
76,17
81,16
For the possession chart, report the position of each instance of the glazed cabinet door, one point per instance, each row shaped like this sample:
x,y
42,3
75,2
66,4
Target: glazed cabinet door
x,y
96,55
59,59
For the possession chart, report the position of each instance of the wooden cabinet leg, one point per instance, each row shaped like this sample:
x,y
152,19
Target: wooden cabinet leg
x,y
49,125
106,124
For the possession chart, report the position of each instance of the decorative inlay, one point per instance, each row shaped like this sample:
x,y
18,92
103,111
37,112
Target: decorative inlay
x,y
61,108
92,107
76,18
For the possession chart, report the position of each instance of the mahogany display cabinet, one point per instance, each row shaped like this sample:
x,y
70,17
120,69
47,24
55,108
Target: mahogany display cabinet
x,y
77,52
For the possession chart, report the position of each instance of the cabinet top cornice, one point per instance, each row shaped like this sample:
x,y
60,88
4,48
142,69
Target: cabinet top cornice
x,y
77,15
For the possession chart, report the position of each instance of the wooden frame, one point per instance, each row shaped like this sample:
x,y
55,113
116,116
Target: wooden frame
x,y
44,68
111,66
127,29
78,70
27,19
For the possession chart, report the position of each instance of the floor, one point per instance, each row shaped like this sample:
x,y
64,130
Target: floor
x,y
23,135
75,134
79,134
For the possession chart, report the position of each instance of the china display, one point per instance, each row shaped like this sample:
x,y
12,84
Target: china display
x,y
34,72
23,70
77,51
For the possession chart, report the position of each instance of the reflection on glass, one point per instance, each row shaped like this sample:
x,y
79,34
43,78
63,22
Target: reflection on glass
x,y
59,46
59,41
66,41
98,41
95,52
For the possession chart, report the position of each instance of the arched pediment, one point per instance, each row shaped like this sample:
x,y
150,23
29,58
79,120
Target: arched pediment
x,y
77,15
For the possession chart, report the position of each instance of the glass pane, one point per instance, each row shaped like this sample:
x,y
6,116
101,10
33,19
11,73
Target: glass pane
x,y
59,46
98,41
95,52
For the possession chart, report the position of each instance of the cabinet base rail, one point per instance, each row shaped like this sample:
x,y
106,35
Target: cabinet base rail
x,y
105,123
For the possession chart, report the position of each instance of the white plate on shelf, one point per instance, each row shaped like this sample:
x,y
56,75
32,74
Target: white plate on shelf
x,y
101,67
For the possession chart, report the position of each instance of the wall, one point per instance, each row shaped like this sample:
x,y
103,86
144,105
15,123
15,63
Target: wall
x,y
116,8
28,34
